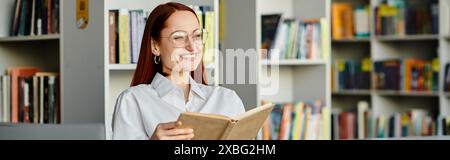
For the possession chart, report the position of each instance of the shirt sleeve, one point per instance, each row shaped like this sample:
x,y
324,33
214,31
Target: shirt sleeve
x,y
127,121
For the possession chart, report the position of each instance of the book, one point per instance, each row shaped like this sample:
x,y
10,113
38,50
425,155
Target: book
x,y
6,103
412,123
300,39
404,18
15,74
361,19
112,37
219,127
299,121
363,106
269,28
15,20
352,74
407,74
124,37
35,17
447,78
342,20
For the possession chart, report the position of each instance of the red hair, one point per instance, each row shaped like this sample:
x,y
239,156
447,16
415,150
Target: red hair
x,y
146,68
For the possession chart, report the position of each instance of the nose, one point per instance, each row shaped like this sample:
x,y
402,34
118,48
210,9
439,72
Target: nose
x,y
190,46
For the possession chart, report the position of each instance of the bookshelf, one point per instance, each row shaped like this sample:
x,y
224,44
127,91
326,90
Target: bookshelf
x,y
72,54
408,94
386,47
300,80
293,62
352,92
408,38
119,67
352,40
31,38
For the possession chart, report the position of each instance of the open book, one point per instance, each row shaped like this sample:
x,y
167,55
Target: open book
x,y
218,127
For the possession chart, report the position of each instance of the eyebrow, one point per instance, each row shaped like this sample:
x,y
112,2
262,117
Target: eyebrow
x,y
185,31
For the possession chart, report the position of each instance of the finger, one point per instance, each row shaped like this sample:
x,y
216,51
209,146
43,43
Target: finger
x,y
177,54
190,137
174,132
170,125
180,137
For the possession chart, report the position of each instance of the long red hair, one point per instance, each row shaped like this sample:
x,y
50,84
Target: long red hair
x,y
146,68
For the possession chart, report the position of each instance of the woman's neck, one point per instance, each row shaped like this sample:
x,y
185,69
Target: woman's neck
x,y
181,81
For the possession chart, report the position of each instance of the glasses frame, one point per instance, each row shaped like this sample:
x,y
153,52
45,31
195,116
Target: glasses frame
x,y
204,33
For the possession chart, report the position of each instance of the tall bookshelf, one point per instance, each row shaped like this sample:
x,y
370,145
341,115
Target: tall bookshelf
x,y
73,54
380,48
299,80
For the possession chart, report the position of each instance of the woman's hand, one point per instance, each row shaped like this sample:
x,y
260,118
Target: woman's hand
x,y
170,131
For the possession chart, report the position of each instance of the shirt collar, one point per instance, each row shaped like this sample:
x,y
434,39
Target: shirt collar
x,y
163,86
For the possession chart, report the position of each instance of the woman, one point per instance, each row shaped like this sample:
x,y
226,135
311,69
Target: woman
x,y
169,79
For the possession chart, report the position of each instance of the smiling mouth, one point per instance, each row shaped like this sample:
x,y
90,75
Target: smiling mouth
x,y
189,56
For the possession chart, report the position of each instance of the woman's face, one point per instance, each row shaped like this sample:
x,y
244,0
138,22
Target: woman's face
x,y
180,46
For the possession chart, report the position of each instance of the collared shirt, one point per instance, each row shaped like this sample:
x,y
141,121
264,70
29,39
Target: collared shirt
x,y
141,108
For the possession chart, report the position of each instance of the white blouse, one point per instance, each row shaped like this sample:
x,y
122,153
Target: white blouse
x,y
141,108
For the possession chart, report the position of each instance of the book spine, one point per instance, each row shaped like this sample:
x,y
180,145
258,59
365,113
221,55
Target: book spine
x,y
226,133
51,97
49,17
124,37
112,36
41,99
35,100
134,36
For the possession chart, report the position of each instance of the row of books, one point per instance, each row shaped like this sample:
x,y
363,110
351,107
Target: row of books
x,y
407,75
29,96
352,74
207,18
295,39
447,78
35,17
301,121
398,17
126,28
349,21
363,124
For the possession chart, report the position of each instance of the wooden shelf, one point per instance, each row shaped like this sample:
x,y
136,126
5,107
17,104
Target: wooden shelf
x,y
352,93
3,124
293,62
30,38
425,37
407,94
352,40
122,67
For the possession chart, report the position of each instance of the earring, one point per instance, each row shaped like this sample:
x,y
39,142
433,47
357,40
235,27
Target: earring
x,y
157,59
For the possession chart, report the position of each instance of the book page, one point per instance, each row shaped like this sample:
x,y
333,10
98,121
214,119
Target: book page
x,y
249,123
206,126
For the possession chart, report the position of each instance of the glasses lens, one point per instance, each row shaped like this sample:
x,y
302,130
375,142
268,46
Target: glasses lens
x,y
179,38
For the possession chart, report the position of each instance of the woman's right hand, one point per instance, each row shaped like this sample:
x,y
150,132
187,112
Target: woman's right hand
x,y
170,131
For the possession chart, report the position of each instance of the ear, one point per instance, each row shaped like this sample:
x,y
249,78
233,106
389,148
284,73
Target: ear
x,y
155,47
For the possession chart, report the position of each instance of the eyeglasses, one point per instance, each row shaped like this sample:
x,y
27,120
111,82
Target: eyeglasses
x,y
180,39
